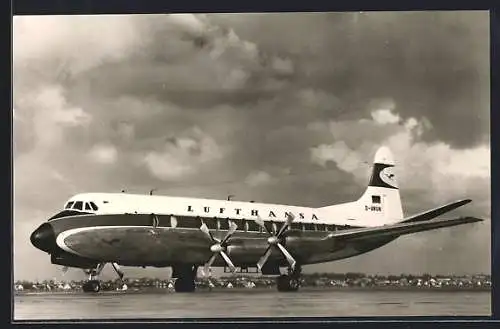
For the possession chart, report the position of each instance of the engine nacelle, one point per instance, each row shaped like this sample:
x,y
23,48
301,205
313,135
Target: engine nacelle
x,y
69,260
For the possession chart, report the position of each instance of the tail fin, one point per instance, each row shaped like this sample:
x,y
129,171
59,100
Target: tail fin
x,y
382,174
381,201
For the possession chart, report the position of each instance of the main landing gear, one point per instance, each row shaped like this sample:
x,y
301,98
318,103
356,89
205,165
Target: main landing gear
x,y
290,281
186,275
93,284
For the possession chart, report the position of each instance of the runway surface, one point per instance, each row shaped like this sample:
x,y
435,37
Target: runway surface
x,y
249,303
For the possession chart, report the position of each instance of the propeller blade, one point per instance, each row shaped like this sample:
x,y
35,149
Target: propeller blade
x,y
264,258
211,260
232,227
206,269
228,261
287,255
230,232
204,229
289,220
261,223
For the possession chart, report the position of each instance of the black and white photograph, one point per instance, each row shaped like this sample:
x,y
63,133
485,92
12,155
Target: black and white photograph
x,y
251,165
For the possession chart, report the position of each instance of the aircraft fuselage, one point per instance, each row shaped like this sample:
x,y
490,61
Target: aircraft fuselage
x,y
164,240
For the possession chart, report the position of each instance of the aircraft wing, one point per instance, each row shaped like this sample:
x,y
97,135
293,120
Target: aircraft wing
x,y
433,213
399,228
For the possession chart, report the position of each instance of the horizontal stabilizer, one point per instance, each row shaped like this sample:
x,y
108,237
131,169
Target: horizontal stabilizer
x,y
399,229
433,213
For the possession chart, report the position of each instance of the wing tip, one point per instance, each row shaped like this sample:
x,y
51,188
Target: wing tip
x,y
471,219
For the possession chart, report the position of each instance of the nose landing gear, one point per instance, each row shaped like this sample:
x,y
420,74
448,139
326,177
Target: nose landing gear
x,y
93,284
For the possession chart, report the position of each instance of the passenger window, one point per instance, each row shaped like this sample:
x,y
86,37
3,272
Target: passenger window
x,y
309,227
78,205
239,223
87,206
253,226
69,204
375,198
93,205
269,226
223,224
190,222
211,223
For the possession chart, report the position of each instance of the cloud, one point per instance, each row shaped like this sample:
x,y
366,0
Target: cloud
x,y
53,39
50,115
413,58
433,167
183,155
383,112
105,154
384,116
258,178
345,158
283,65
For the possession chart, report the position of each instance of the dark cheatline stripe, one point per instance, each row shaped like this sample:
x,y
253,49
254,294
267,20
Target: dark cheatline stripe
x,y
68,213
66,223
375,179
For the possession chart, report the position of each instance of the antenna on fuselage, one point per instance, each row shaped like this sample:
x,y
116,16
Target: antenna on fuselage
x,y
123,191
229,197
152,190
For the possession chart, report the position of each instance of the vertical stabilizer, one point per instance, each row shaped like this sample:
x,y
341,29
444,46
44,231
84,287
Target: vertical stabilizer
x,y
383,174
380,204
381,199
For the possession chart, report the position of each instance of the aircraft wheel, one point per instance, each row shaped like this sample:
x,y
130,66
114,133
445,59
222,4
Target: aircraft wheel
x,y
293,284
184,285
287,283
92,286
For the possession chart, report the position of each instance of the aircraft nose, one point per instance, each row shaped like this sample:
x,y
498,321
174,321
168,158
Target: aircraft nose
x,y
44,238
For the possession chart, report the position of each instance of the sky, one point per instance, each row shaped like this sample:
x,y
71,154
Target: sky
x,y
279,108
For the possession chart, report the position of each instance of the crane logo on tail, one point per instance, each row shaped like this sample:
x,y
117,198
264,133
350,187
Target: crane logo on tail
x,y
383,176
387,176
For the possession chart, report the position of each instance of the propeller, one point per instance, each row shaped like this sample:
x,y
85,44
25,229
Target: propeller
x,y
274,240
219,247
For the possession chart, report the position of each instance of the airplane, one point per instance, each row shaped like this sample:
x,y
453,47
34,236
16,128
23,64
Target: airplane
x,y
95,229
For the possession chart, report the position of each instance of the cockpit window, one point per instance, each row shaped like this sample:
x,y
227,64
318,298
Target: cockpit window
x,y
78,205
87,206
93,205
69,204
